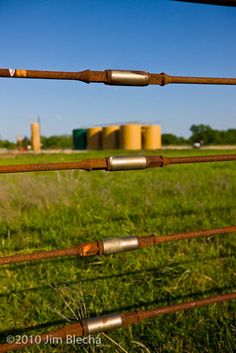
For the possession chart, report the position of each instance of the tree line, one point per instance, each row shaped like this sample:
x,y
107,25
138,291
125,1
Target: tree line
x,y
203,134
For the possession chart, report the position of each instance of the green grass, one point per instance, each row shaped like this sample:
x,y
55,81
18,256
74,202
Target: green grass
x,y
41,211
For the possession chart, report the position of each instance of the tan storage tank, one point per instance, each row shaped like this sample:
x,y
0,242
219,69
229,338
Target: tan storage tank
x,y
94,138
151,136
110,137
130,137
35,137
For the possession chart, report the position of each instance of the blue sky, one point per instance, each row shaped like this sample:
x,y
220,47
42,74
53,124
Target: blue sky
x,y
156,36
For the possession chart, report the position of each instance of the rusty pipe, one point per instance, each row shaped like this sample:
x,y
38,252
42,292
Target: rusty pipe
x,y
88,164
116,77
111,322
113,245
116,163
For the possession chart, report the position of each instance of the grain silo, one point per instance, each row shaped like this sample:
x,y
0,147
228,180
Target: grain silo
x,y
35,137
79,139
130,137
110,137
151,137
94,138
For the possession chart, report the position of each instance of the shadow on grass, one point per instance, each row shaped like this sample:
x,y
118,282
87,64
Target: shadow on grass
x,y
134,217
187,212
176,270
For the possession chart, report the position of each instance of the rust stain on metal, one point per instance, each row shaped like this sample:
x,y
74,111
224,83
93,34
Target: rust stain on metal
x,y
21,73
39,255
155,239
89,249
133,318
88,165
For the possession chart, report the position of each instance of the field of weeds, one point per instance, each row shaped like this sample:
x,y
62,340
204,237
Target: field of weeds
x,y
48,210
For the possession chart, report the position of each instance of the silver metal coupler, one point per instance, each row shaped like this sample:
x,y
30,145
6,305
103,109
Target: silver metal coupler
x,y
127,163
102,323
116,245
127,78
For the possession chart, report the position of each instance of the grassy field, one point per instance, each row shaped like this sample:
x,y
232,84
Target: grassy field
x,y
49,210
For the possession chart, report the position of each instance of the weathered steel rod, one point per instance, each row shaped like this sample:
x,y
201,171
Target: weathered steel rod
x,y
113,245
93,164
116,77
116,163
113,321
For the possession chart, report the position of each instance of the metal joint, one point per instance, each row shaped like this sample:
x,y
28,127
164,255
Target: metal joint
x,y
127,163
117,245
127,78
102,323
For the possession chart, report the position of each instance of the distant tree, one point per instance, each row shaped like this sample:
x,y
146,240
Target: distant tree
x,y
57,142
229,136
202,133
171,139
7,144
210,136
25,142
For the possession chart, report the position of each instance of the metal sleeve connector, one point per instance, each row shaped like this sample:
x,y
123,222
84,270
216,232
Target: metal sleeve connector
x,y
102,323
126,163
127,78
117,245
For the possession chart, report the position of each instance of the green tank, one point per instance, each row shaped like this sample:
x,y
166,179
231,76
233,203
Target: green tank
x,y
79,139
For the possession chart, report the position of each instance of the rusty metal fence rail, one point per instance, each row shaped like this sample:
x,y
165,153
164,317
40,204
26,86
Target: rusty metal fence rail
x,y
116,77
116,163
113,245
112,322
